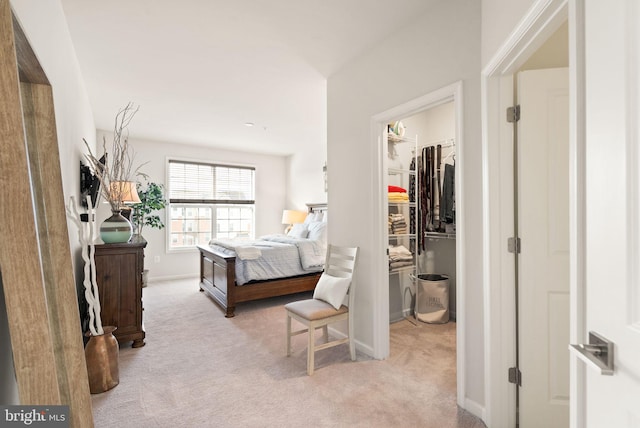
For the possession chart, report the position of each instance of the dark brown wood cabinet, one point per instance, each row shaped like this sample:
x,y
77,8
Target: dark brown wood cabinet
x,y
119,276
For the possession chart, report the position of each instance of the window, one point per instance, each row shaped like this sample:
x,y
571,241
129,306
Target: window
x,y
209,201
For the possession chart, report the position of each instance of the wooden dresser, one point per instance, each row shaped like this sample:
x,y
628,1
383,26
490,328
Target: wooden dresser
x,y
119,276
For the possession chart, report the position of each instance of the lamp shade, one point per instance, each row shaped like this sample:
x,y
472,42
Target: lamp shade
x,y
293,217
124,191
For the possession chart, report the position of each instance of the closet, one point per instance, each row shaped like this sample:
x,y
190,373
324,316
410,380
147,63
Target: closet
x,y
421,153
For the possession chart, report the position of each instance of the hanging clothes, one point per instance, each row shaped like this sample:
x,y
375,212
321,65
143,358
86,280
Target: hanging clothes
x,y
412,197
423,185
448,202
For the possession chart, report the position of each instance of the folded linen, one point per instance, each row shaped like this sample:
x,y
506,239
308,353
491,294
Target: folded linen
x,y
399,252
244,249
398,197
396,265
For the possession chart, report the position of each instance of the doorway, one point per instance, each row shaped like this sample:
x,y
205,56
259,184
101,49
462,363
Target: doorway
x,y
431,235
500,266
449,94
542,225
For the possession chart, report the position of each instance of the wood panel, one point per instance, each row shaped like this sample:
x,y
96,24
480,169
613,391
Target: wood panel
x,y
55,251
20,265
36,267
119,275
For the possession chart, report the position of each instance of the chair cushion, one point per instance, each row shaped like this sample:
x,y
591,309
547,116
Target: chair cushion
x,y
332,289
314,309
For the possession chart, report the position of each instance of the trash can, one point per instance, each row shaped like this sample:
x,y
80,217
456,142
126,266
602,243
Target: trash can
x,y
432,298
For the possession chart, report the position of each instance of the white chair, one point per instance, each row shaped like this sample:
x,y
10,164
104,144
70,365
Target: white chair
x,y
327,306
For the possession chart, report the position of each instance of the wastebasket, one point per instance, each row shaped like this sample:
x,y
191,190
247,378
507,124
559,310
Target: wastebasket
x,y
432,298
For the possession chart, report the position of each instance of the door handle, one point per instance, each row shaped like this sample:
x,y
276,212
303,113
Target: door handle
x,y
598,353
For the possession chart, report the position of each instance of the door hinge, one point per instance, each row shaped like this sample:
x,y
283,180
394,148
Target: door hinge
x,y
515,376
514,245
513,114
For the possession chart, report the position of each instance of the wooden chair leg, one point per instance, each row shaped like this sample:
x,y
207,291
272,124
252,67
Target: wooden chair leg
x,y
325,333
288,335
311,350
352,344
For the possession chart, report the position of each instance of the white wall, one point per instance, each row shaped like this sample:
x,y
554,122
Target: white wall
x,y
499,18
436,50
270,196
305,179
46,28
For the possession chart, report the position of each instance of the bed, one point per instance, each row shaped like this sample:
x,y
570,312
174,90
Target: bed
x,y
234,274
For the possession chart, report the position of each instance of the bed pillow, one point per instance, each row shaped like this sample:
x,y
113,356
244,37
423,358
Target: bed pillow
x,y
298,231
332,289
317,231
311,217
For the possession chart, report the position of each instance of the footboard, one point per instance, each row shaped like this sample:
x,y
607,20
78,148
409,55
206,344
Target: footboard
x,y
218,278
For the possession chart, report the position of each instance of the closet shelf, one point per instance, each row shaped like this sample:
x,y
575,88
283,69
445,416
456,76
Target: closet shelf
x,y
402,269
402,204
396,171
440,235
402,235
393,138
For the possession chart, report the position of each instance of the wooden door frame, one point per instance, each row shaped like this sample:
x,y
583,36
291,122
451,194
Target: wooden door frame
x,y
36,268
540,21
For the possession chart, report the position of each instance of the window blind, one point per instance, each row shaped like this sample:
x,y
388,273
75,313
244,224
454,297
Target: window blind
x,y
191,182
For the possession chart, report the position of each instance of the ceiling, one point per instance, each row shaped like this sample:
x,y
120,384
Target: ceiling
x,y
201,69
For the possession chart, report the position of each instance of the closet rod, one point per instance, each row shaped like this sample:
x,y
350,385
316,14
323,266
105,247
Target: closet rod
x,y
443,143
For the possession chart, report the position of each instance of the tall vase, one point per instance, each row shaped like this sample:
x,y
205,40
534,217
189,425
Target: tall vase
x,y
101,354
116,229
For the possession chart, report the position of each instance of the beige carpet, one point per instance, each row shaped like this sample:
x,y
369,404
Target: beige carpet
x,y
199,369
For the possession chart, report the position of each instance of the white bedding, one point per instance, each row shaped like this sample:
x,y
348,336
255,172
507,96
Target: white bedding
x,y
273,256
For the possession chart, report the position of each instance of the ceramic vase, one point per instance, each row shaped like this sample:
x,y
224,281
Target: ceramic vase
x,y
101,354
116,229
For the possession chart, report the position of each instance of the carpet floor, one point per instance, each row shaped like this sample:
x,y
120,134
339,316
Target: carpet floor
x,y
200,369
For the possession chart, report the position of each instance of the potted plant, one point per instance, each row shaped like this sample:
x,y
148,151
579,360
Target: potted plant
x,y
151,200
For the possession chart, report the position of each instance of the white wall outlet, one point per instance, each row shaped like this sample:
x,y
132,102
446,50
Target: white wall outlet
x,y
156,259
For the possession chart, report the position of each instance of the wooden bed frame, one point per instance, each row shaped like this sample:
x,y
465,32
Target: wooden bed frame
x,y
218,279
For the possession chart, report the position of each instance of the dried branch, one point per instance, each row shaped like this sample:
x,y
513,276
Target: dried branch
x,y
118,160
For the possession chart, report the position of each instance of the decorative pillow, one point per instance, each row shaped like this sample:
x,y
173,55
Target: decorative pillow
x,y
298,231
317,231
332,289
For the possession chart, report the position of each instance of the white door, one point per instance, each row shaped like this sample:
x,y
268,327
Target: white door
x,y
612,217
543,216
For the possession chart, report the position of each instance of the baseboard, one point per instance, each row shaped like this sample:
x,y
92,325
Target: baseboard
x,y
171,278
475,408
361,347
396,316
